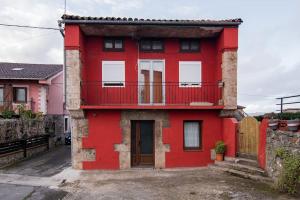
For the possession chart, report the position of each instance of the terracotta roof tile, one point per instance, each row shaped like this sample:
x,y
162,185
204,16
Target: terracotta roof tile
x,y
69,18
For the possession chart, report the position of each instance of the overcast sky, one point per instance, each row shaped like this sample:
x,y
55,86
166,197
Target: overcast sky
x,y
269,38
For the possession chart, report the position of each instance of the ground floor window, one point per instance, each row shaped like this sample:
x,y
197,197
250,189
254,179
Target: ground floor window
x,y
192,135
20,94
1,96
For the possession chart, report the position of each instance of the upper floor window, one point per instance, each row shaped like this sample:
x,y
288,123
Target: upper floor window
x,y
113,73
113,44
189,73
20,94
190,45
151,45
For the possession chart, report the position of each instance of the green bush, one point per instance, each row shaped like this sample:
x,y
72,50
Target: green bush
x,y
8,114
220,147
289,177
288,116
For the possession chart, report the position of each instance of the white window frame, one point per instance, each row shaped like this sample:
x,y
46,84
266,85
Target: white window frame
x,y
2,103
181,63
107,62
151,80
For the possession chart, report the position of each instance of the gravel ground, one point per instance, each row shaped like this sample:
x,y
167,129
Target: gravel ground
x,y
201,183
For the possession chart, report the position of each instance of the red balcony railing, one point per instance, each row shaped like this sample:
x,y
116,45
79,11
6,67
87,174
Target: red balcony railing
x,y
137,93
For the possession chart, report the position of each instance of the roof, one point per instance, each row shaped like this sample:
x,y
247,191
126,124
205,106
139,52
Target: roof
x,y
139,21
26,71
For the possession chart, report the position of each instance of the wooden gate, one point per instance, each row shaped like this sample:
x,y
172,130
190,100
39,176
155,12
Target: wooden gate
x,y
248,137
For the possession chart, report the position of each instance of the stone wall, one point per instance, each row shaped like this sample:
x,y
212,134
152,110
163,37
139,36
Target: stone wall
x,y
54,126
15,129
161,121
279,139
229,77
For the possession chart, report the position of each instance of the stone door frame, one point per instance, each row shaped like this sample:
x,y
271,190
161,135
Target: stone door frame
x,y
161,121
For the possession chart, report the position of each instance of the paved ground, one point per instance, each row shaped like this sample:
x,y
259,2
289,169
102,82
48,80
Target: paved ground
x,y
23,192
45,164
29,179
49,176
201,183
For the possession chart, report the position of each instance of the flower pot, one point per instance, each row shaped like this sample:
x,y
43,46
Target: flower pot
x,y
293,124
273,124
219,157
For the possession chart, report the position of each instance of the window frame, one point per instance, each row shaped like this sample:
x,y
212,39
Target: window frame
x,y
2,102
151,40
189,41
181,85
107,84
15,97
199,148
113,49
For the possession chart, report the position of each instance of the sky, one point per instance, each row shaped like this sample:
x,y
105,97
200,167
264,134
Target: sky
x,y
269,38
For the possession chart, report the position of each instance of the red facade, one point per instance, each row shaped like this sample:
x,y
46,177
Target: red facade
x,y
103,106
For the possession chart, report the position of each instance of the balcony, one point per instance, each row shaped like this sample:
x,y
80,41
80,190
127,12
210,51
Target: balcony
x,y
152,95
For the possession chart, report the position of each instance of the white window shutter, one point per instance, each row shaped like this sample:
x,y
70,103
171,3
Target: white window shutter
x,y
190,73
113,72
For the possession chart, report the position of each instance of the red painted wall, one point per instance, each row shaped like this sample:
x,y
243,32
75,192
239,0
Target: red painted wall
x,y
211,132
262,143
94,55
104,132
229,136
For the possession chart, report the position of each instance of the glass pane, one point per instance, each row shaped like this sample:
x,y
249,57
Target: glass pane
x,y
145,45
191,134
1,96
185,45
144,81
108,44
195,45
21,95
157,45
118,44
146,137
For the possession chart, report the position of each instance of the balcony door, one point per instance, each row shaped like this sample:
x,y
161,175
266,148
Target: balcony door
x,y
151,82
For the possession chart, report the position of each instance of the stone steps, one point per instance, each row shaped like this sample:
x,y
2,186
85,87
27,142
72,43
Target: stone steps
x,y
242,167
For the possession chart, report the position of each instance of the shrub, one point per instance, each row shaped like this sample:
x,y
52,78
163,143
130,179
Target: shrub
x,y
289,177
8,114
288,116
220,147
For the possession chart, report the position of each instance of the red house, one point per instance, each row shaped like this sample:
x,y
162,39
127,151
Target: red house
x,y
146,92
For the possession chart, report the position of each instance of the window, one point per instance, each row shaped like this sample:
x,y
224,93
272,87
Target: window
x,y
113,73
20,94
1,96
66,124
189,73
189,46
113,44
192,135
151,45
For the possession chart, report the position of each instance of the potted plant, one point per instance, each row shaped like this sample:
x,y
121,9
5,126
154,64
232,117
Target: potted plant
x,y
273,124
293,124
220,149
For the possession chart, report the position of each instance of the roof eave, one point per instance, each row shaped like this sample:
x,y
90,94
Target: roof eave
x,y
115,22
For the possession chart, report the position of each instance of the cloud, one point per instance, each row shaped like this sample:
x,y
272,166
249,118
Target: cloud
x,y
269,61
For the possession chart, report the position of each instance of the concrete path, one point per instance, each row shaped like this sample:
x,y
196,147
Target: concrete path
x,y
49,176
38,177
43,165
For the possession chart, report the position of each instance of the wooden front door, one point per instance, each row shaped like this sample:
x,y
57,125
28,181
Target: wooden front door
x,y
248,137
142,143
